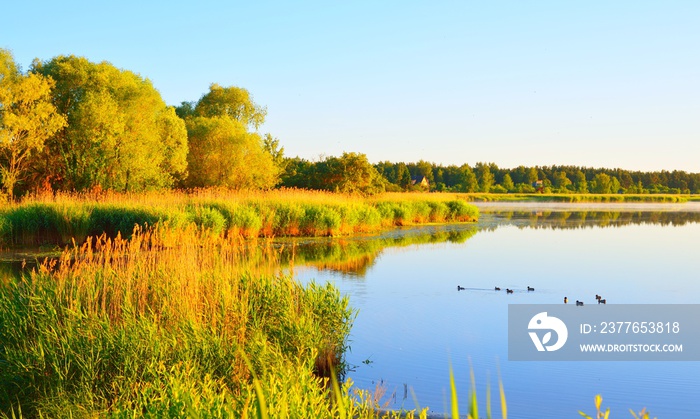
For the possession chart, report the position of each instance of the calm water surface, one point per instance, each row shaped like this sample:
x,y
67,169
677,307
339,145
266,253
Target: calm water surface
x,y
413,324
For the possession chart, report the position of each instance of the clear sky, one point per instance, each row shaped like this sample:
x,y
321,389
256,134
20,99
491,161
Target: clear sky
x,y
589,83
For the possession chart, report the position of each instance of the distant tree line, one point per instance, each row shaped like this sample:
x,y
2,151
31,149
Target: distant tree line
x,y
482,177
488,177
68,124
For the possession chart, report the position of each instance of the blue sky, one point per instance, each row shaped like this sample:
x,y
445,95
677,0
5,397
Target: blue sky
x,y
596,83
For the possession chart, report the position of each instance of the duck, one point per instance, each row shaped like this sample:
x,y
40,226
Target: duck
x,y
566,300
497,289
460,288
579,303
598,297
509,291
602,301
529,288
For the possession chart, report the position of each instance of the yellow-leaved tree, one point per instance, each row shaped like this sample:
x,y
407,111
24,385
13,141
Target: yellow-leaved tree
x,y
222,150
27,119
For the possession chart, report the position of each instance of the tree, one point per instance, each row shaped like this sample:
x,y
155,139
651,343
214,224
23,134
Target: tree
x,y
223,153
580,183
27,119
508,183
403,176
233,102
388,170
532,175
471,184
350,173
297,173
602,183
120,133
486,179
561,181
272,146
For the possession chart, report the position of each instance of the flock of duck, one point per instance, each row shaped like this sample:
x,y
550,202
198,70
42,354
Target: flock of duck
x,y
598,298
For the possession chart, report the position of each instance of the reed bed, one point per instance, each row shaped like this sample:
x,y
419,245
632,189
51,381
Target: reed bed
x,y
167,325
64,218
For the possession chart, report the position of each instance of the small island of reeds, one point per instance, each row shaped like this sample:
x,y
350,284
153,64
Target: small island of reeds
x,y
63,218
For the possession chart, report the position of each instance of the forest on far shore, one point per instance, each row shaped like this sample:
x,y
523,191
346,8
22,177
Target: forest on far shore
x,y
71,125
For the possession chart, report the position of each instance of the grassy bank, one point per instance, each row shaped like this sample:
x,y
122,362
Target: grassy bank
x,y
60,219
604,198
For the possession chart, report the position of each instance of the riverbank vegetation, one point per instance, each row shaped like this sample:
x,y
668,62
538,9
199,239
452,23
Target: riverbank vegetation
x,y
147,328
62,218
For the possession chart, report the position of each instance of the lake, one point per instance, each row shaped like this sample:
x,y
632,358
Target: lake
x,y
412,323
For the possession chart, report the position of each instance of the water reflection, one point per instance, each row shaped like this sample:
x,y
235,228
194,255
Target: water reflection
x,y
584,219
355,255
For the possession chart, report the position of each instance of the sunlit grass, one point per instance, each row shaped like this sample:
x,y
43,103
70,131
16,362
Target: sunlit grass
x,y
162,324
61,218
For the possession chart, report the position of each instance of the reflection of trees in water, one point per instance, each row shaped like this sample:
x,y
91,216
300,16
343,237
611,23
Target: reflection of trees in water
x,y
354,256
589,219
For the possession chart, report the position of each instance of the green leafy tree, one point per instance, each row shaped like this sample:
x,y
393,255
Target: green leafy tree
x,y
27,119
350,173
120,134
532,175
298,173
486,178
403,176
185,110
580,183
561,181
471,183
508,184
603,183
388,170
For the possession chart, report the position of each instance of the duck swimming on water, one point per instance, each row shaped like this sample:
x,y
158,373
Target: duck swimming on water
x,y
460,288
579,303
529,288
497,289
509,291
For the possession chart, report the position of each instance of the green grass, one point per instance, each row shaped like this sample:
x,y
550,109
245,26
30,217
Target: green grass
x,y
60,220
